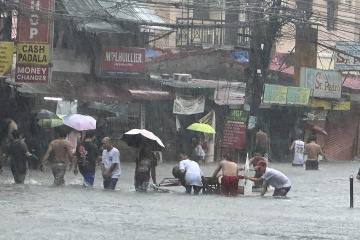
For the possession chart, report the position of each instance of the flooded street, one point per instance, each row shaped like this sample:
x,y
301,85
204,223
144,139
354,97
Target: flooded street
x,y
317,208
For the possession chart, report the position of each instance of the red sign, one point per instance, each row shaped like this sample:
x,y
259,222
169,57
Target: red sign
x,y
34,22
120,62
234,135
31,73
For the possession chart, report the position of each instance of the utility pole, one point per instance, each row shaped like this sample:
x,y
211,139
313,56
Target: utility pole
x,y
263,35
305,41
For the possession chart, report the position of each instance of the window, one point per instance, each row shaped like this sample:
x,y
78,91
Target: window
x,y
201,10
332,8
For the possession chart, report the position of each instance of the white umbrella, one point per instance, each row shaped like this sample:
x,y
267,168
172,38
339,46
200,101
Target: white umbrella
x,y
134,137
80,122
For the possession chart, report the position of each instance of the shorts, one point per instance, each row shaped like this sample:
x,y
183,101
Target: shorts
x,y
141,185
229,185
110,183
88,179
297,165
58,170
281,191
312,165
196,189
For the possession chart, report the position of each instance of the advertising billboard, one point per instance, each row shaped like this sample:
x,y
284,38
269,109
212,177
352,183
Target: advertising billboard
x,y
348,56
323,83
6,58
123,62
34,25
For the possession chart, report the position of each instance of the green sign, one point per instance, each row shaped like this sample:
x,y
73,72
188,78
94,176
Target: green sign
x,y
298,95
237,116
275,94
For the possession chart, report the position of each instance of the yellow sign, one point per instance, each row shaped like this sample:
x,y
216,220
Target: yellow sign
x,y
33,54
6,58
341,105
317,103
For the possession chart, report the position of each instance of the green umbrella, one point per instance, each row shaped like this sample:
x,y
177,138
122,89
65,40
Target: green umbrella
x,y
201,127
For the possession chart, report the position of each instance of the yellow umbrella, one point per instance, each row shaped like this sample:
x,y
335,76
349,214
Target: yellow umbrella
x,y
201,127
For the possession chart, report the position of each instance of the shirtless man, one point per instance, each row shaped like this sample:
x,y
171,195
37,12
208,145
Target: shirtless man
x,y
60,154
312,150
230,179
262,141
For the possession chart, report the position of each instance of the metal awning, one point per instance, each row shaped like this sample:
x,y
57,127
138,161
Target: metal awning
x,y
67,89
151,95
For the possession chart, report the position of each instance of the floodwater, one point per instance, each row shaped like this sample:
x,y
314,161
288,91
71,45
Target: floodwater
x,y
317,207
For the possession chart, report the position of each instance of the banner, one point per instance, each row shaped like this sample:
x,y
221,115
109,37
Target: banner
x,y
275,94
188,104
34,24
6,58
234,135
118,62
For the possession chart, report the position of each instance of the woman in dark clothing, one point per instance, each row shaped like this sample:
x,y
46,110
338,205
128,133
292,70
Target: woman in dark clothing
x,y
18,152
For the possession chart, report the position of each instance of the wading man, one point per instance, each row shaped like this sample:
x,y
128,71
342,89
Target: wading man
x,y
110,165
60,155
271,177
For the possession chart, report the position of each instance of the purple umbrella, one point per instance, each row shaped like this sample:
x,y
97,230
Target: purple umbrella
x,y
80,122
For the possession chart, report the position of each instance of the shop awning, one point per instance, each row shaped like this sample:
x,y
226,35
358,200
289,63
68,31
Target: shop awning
x,y
151,95
73,90
89,91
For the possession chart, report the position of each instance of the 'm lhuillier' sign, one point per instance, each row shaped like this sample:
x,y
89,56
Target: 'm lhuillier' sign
x,y
120,62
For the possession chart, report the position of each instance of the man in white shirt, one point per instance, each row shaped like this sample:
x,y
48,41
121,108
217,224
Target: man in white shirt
x,y
298,145
272,178
110,165
193,174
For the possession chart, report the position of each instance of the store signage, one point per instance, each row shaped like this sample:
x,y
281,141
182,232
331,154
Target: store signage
x,y
297,95
237,116
31,73
33,48
275,94
32,53
323,83
347,57
34,22
6,58
234,135
121,62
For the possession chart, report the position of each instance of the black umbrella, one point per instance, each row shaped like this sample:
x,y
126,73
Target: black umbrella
x,y
44,114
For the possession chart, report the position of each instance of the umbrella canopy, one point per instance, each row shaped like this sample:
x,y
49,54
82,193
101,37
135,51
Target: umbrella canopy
x,y
80,122
50,123
201,127
319,130
45,114
134,137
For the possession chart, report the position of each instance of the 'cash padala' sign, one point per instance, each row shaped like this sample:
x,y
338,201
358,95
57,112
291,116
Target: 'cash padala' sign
x,y
119,62
323,83
32,54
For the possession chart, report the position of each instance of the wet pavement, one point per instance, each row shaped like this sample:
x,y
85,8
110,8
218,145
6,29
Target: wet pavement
x,y
317,207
